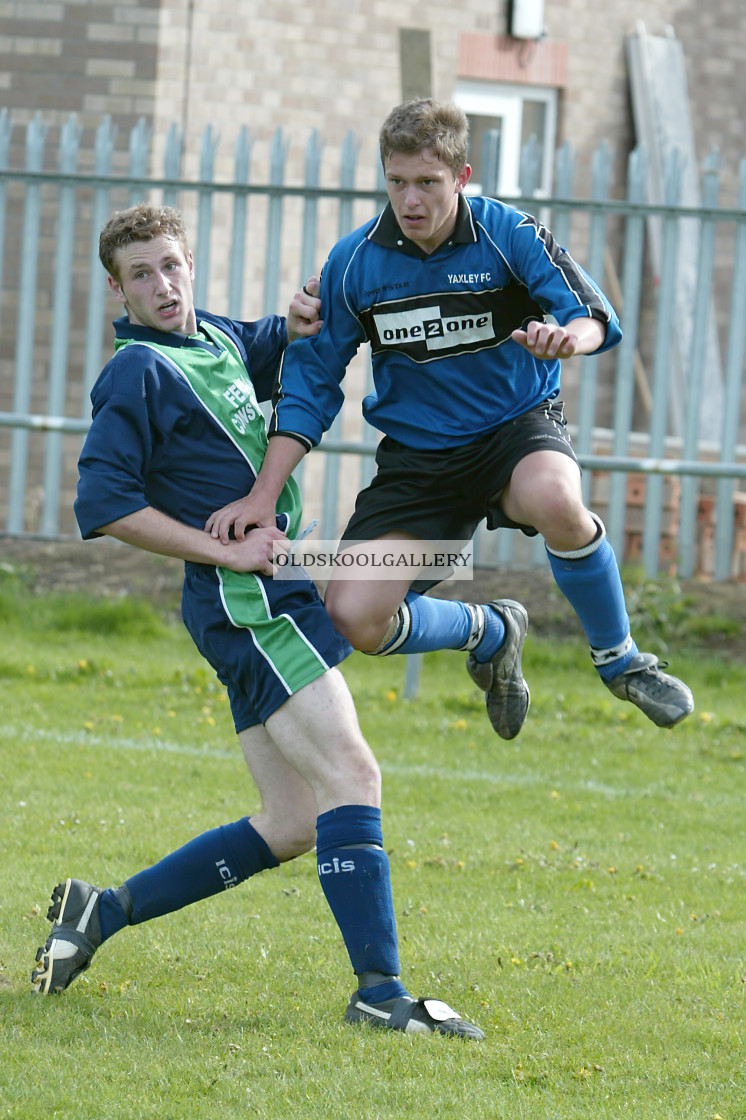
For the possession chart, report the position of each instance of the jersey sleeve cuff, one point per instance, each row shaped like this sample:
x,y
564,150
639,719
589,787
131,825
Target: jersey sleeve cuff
x,y
307,443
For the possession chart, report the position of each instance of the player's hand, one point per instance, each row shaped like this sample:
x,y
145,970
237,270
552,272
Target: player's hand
x,y
547,340
303,319
257,551
243,514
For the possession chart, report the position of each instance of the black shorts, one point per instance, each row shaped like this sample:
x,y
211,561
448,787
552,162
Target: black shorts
x,y
445,494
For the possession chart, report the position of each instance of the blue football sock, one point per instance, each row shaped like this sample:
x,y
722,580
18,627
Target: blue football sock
x,y
355,876
494,635
593,586
217,859
426,624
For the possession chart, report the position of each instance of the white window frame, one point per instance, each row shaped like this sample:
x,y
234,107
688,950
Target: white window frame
x,y
506,100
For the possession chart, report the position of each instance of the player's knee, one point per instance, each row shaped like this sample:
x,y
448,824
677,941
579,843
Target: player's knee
x,y
361,631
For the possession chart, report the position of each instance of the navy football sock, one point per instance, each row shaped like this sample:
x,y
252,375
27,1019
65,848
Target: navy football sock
x,y
217,859
355,876
590,580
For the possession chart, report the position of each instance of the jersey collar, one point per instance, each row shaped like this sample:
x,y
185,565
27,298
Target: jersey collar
x,y
123,328
387,232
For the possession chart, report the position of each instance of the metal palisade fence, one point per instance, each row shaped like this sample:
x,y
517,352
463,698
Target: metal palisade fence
x,y
659,423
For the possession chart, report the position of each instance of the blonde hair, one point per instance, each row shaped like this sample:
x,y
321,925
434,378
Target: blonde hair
x,y
141,222
426,123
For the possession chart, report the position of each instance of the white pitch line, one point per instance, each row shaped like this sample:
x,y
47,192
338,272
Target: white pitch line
x,y
405,770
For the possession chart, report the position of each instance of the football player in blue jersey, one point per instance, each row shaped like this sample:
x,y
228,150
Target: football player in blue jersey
x,y
470,307
176,430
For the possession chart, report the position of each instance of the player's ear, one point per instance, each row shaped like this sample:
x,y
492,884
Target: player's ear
x,y
116,288
463,178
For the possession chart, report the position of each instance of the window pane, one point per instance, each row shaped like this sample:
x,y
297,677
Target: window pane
x,y
534,121
483,155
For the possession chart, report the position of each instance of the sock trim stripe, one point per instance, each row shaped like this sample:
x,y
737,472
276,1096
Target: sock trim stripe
x,y
613,653
403,630
586,550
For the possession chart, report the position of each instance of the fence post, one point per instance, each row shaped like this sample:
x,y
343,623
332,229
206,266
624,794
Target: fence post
x,y
6,128
139,144
686,562
563,184
624,388
602,163
662,365
208,148
69,145
36,134
278,152
244,144
308,264
105,136
733,386
330,490
172,162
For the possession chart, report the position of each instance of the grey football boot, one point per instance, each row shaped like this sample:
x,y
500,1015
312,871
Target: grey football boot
x,y
664,699
501,678
411,1016
75,936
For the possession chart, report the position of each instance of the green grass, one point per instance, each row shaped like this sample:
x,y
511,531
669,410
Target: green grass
x,y
579,892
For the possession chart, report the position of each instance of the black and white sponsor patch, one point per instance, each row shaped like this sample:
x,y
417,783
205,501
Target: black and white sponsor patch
x,y
448,323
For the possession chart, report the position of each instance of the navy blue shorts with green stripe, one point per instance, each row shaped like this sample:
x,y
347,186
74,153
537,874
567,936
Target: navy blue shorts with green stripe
x,y
264,638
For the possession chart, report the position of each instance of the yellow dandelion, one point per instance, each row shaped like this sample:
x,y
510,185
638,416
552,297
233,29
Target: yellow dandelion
x,y
679,930
554,845
83,664
88,725
554,794
30,669
706,717
391,694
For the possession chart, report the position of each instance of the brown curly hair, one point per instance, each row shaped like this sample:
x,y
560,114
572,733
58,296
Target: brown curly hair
x,y
141,222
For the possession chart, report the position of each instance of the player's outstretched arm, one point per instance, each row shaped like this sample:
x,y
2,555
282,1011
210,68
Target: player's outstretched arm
x,y
154,531
258,507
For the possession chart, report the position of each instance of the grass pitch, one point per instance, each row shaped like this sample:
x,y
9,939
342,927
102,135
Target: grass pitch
x,y
578,892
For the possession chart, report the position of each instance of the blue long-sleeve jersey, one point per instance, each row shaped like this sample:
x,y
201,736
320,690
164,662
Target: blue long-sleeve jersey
x,y
152,442
445,367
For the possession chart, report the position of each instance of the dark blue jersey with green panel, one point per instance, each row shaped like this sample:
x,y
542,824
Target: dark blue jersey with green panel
x,y
154,442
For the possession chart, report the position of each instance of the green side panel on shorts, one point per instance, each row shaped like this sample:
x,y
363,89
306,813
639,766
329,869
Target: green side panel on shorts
x,y
290,654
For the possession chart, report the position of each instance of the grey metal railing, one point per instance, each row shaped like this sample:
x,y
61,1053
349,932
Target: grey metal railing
x,y
666,419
